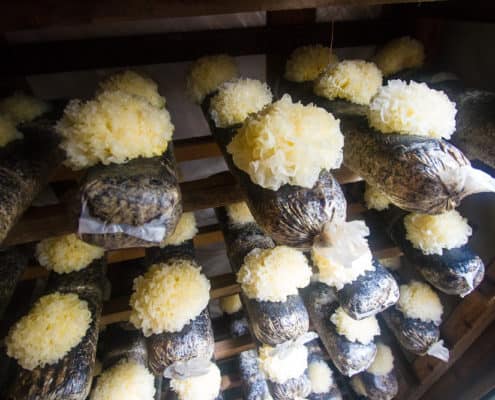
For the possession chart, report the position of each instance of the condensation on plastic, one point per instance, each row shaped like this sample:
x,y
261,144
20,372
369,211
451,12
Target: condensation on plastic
x,y
181,370
438,350
282,350
153,231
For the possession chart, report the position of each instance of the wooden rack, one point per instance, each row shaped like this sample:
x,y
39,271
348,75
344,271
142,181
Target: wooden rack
x,y
462,327
466,322
40,222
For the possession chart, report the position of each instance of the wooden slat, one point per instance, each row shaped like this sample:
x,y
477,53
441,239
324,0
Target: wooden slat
x,y
231,347
224,285
125,51
472,376
203,238
115,256
32,14
206,235
382,249
56,221
465,324
215,191
196,148
117,309
42,222
115,317
39,223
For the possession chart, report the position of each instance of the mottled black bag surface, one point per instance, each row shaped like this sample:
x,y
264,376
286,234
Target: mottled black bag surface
x,y
195,340
349,357
130,205
25,167
12,263
70,378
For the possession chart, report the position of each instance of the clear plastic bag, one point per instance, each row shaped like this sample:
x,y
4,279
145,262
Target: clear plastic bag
x,y
129,205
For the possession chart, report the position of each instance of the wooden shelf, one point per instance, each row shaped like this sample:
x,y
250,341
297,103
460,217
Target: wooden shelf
x,y
465,324
117,309
215,191
475,367
31,14
205,236
127,51
196,148
382,249
51,221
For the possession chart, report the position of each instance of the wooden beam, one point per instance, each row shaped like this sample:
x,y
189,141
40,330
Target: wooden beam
x,y
463,327
40,223
117,309
224,285
32,14
215,191
472,376
195,148
206,235
126,51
